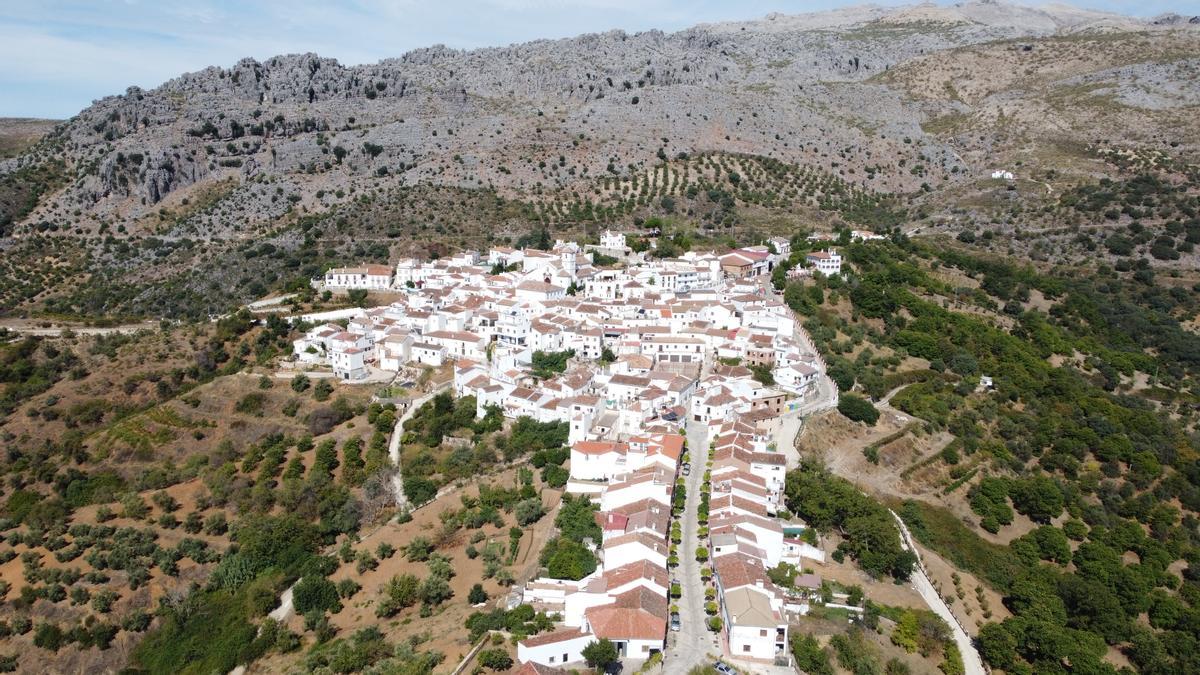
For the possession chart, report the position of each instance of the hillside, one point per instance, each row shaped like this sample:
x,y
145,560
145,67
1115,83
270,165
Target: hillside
x,y
1017,357
863,116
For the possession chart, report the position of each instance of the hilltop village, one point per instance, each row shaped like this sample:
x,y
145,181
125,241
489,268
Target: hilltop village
x,y
682,380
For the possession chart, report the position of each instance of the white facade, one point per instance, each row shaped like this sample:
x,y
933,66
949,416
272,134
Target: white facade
x,y
368,277
566,647
827,262
612,240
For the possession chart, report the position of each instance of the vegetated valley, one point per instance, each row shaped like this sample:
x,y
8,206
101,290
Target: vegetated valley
x,y
162,488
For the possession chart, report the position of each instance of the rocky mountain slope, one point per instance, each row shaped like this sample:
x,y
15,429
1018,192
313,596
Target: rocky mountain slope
x,y
898,110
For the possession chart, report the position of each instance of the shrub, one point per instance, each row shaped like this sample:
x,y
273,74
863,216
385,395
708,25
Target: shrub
x,y
49,637
477,595
495,659
600,654
316,593
857,409
346,588
251,404
401,591
435,590
529,511
300,383
567,559
418,549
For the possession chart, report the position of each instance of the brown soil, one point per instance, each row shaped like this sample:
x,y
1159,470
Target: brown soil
x,y
881,591
445,630
969,609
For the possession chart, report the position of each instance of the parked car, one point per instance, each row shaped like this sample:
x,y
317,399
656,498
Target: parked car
x,y
675,621
724,668
687,470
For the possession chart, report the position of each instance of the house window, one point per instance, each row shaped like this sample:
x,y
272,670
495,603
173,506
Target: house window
x,y
745,648
762,633
564,658
551,659
645,648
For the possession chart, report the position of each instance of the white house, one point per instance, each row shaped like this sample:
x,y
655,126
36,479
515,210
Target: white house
x,y
349,364
394,351
539,290
636,622
650,483
458,343
827,262
598,460
673,349
632,548
428,354
755,626
370,277
612,240
554,649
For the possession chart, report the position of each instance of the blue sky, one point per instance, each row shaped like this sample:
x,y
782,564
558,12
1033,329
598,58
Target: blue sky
x,y
62,54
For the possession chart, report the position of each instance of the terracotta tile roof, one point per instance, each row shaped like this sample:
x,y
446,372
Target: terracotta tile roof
x,y
642,538
599,447
637,507
642,569
461,336
620,623
551,638
644,599
611,520
532,668
739,569
735,503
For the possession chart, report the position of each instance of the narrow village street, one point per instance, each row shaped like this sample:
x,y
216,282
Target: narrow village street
x,y
693,642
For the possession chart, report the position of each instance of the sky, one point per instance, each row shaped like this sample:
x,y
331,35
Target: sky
x,y
63,54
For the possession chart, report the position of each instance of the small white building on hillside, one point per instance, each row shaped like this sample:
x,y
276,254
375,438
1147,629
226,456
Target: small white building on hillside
x,y
368,277
827,262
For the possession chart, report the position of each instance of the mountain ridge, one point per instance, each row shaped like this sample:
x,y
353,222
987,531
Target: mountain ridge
x,y
905,104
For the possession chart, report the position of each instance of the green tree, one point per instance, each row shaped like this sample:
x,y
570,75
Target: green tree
x,y
809,656
857,409
576,519
315,592
567,559
401,591
1037,497
495,659
600,654
300,383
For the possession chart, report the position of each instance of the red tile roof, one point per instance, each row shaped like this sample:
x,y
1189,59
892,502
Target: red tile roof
x,y
550,638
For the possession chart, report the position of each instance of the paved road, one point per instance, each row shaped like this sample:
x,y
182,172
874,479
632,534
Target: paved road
x,y
693,642
972,662
823,397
